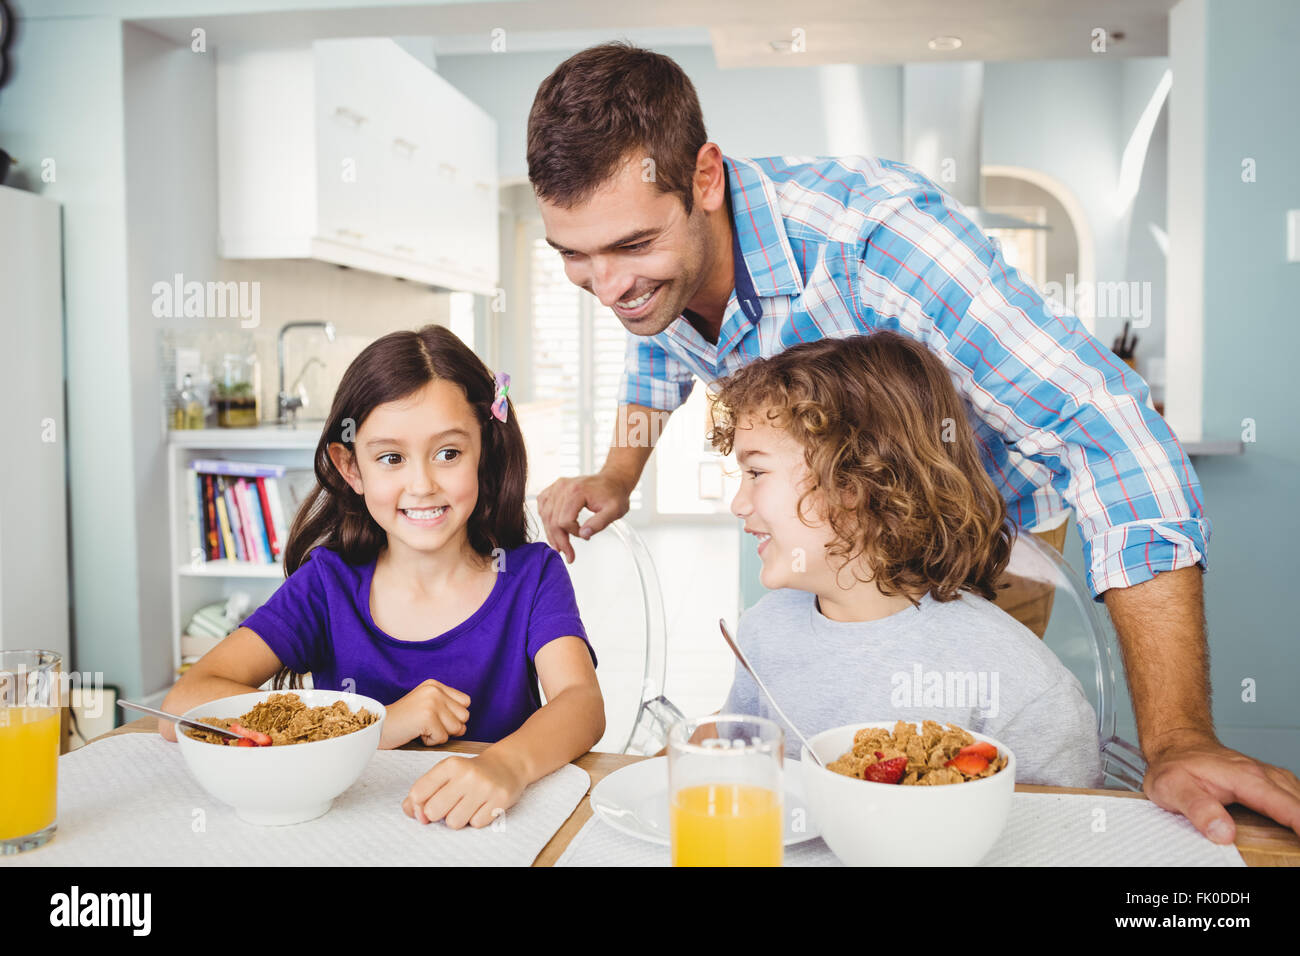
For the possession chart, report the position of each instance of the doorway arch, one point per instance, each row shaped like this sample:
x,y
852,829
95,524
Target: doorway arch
x,y
1087,251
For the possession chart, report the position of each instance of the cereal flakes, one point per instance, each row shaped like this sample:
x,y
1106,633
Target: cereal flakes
x,y
933,755
287,720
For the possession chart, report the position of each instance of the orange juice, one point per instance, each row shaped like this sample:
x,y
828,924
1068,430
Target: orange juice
x,y
29,757
726,825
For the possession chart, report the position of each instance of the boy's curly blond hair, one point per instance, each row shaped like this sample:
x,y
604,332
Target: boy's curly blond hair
x,y
890,455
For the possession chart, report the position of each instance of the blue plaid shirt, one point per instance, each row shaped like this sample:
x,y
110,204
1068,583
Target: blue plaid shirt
x,y
846,245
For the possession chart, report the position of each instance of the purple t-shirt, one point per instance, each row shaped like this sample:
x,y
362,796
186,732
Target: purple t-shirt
x,y
319,621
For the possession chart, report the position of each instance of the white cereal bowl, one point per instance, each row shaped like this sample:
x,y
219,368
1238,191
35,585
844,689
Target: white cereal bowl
x,y
882,824
276,786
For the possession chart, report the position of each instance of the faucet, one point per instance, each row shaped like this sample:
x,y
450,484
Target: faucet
x,y
288,404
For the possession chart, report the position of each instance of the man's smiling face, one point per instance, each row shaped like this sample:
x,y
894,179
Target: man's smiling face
x,y
629,240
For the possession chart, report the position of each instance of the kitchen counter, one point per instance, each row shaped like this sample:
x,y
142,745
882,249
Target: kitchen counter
x,y
267,435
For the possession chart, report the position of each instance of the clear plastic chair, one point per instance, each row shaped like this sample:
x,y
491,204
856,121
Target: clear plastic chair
x,y
622,607
1080,633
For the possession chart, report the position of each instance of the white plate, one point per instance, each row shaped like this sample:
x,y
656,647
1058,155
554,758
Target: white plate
x,y
634,800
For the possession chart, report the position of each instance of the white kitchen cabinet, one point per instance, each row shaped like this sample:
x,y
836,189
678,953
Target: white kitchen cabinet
x,y
354,152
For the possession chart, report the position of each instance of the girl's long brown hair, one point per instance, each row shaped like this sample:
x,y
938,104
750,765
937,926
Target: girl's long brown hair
x,y
891,457
387,370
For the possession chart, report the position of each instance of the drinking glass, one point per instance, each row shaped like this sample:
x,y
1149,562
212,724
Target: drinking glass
x,y
724,791
29,748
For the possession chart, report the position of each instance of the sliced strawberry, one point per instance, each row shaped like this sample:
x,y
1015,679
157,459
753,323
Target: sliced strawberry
x,y
258,738
879,755
970,764
981,749
243,742
886,771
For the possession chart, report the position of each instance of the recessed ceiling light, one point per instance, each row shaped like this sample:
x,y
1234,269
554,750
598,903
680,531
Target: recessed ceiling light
x,y
944,44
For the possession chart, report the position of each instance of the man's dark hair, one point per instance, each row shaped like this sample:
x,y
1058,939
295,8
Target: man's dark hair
x,y
605,106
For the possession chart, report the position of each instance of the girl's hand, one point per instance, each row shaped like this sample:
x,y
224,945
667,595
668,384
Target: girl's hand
x,y
465,790
433,712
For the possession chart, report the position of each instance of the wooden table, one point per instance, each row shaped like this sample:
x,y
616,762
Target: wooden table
x,y
1261,841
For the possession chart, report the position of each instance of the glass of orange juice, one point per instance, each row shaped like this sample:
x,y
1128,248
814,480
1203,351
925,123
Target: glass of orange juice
x,y
724,791
29,748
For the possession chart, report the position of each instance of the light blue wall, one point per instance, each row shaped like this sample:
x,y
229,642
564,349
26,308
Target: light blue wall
x,y
1252,340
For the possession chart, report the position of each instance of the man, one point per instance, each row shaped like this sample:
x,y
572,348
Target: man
x,y
711,262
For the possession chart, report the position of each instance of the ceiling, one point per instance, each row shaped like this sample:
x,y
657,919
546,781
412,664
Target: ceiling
x,y
741,32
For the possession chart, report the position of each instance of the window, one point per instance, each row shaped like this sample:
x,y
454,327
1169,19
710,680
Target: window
x,y
577,352
1024,249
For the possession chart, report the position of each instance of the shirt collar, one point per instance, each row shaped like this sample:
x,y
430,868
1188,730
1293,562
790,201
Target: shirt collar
x,y
765,265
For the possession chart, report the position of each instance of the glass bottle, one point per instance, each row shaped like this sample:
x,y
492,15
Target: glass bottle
x,y
187,410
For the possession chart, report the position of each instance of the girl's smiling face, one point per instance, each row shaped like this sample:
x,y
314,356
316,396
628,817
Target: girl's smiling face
x,y
417,466
773,477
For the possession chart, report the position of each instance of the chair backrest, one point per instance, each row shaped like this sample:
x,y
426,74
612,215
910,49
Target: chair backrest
x,y
1080,633
618,594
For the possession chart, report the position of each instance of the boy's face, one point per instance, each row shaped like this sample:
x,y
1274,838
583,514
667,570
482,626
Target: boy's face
x,y
773,476
629,239
417,465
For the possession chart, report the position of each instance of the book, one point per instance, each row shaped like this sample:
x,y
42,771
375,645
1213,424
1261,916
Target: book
x,y
245,522
193,519
210,512
246,469
251,512
274,496
273,539
227,539
236,524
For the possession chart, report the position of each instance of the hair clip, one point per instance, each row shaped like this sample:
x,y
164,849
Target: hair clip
x,y
503,389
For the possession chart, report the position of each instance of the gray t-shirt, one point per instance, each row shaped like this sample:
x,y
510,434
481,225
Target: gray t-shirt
x,y
966,661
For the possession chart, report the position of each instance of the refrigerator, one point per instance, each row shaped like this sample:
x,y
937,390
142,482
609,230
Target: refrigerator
x,y
33,446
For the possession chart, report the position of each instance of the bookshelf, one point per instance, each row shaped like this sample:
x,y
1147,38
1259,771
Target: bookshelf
x,y
197,583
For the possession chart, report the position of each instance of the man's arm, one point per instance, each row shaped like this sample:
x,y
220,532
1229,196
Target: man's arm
x,y
1161,628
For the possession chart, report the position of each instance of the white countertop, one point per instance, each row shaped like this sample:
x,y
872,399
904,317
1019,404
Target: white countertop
x,y
304,435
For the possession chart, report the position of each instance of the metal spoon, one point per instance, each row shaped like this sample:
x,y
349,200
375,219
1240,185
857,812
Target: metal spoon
x,y
181,720
735,649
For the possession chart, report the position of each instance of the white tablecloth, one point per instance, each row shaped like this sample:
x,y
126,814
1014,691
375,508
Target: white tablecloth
x,y
1044,829
129,800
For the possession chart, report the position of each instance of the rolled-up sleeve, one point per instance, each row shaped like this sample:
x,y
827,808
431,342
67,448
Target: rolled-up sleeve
x,y
653,377
1040,379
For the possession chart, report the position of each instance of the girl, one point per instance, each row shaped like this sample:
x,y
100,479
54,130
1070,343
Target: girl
x,y
884,536
410,580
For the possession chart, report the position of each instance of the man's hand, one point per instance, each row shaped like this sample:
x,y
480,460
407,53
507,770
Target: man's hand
x,y
1161,628
465,790
433,712
1198,777
559,505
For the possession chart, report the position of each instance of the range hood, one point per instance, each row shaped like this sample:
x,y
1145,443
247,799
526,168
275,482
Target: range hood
x,y
942,112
